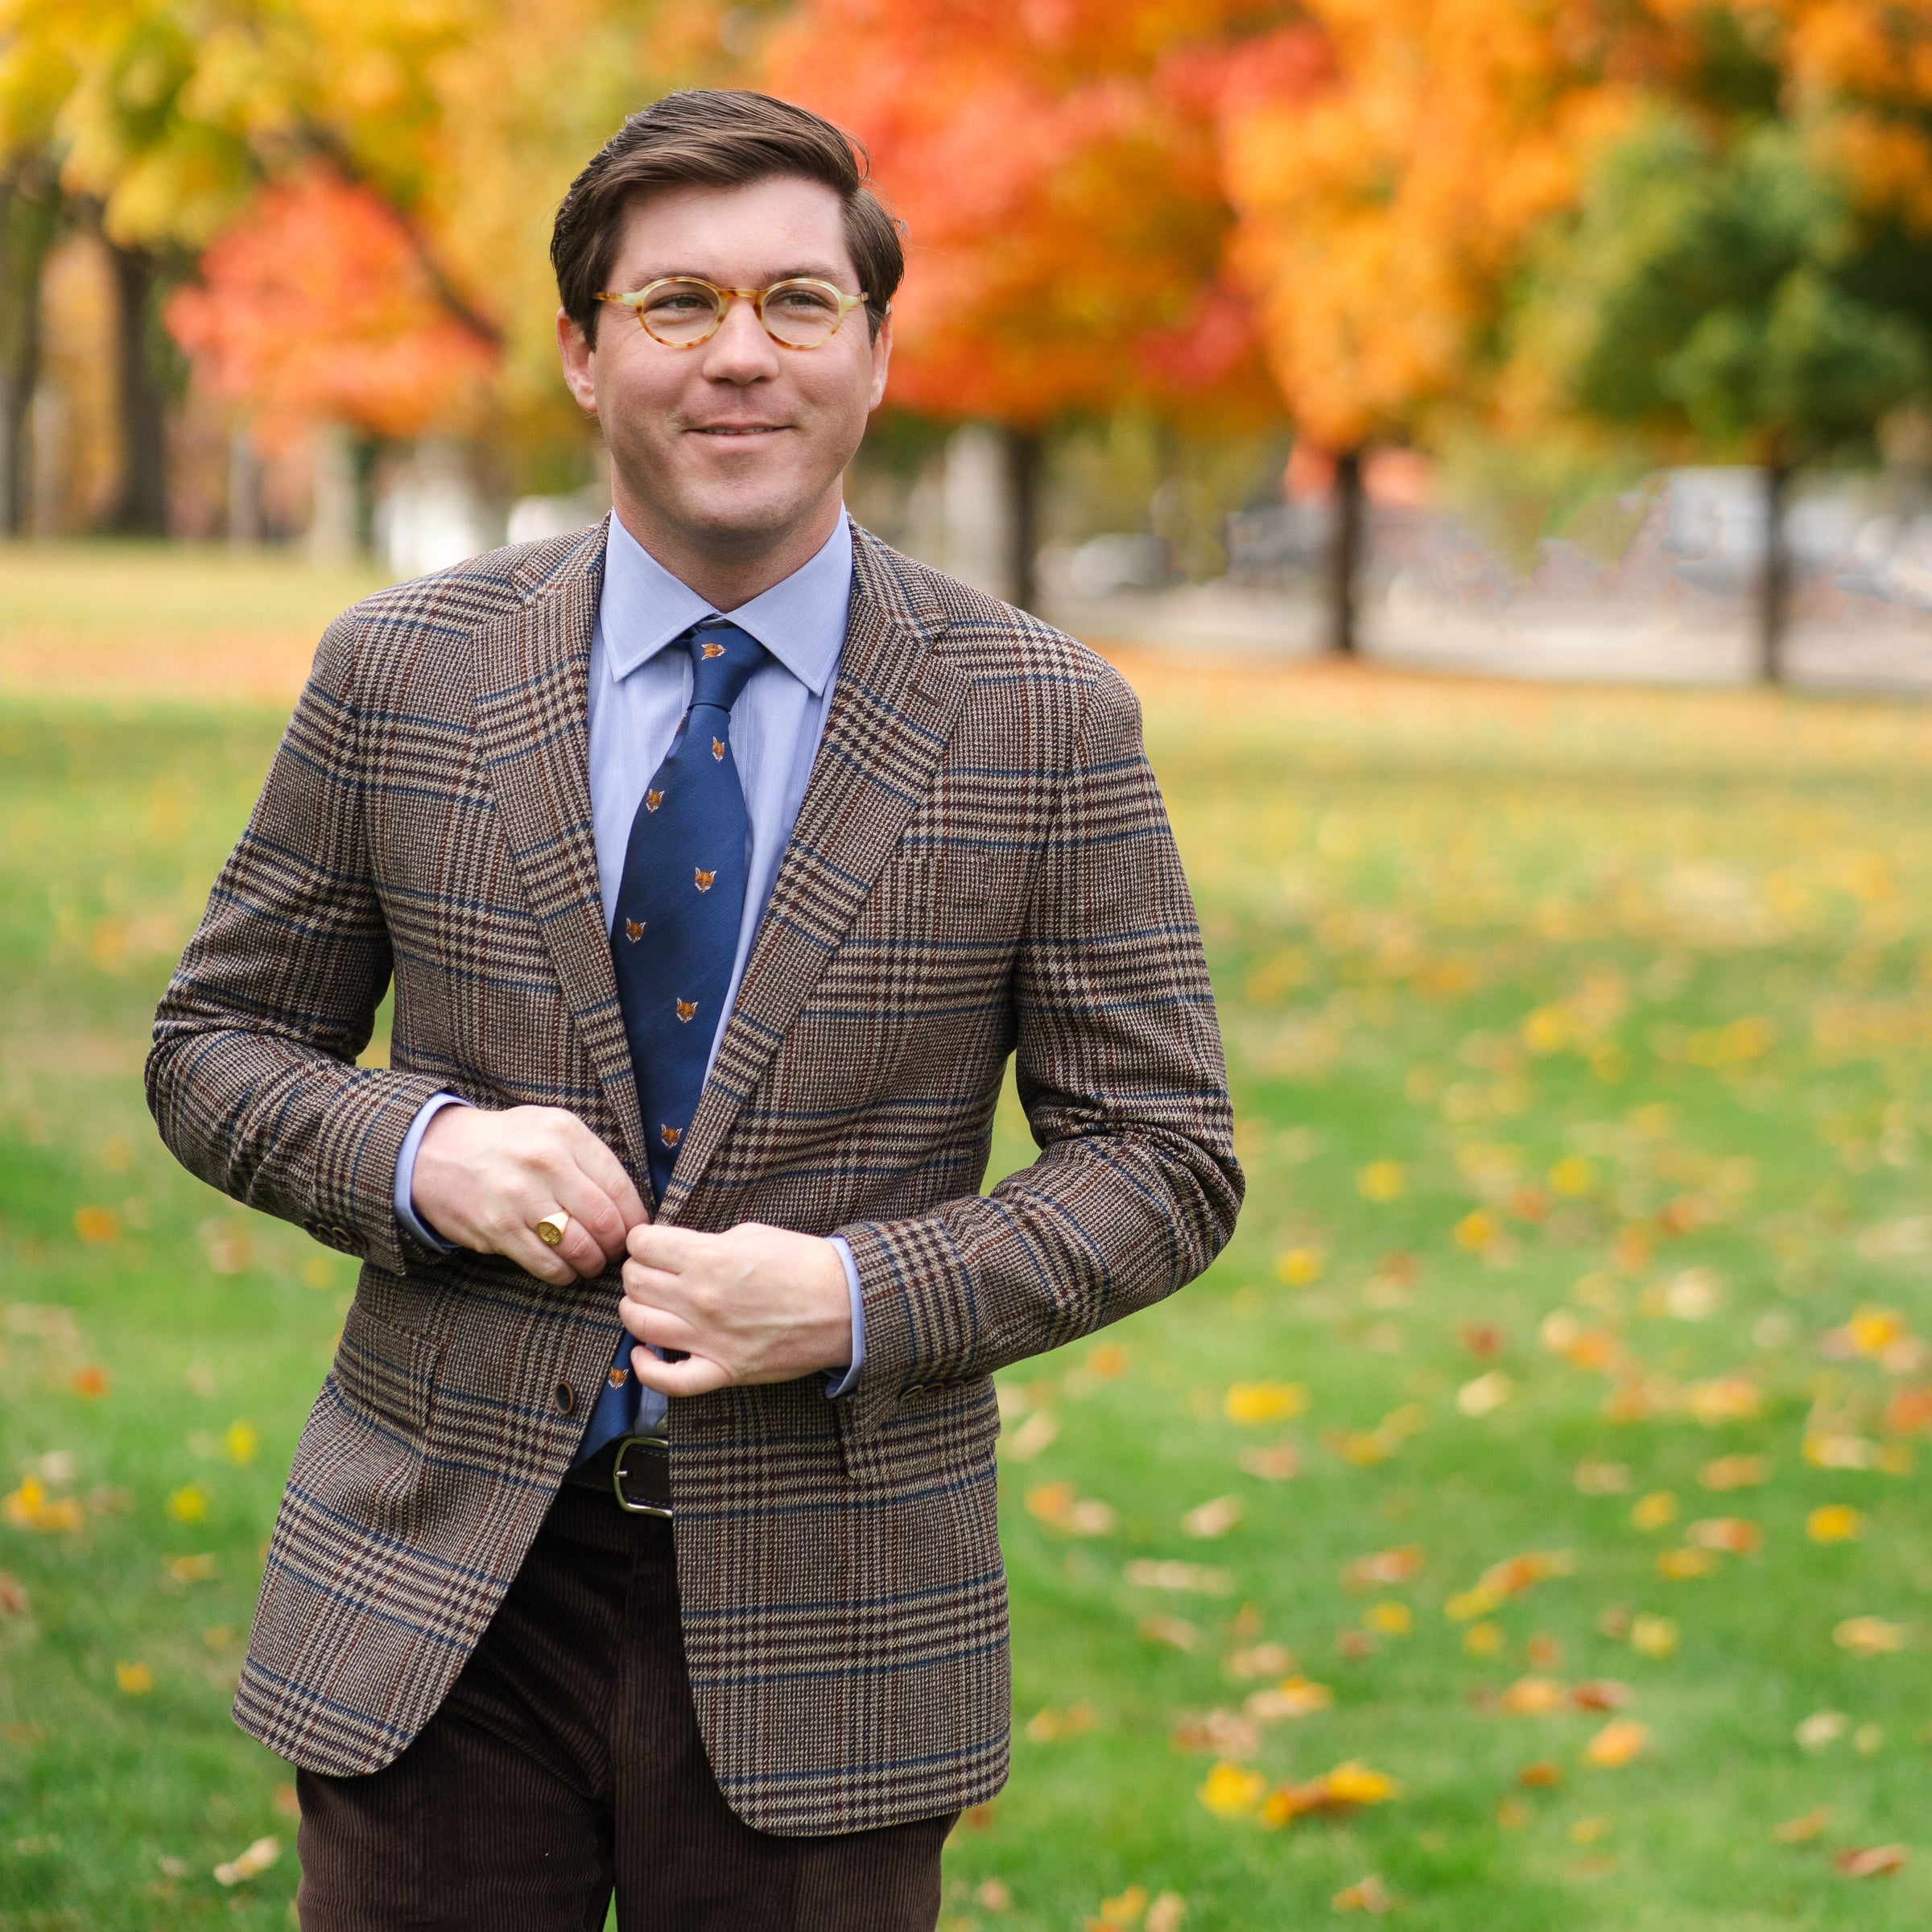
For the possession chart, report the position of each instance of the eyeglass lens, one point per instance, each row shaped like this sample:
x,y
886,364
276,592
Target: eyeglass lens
x,y
801,315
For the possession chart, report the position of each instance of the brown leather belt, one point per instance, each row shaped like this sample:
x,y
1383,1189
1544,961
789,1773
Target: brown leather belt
x,y
635,1470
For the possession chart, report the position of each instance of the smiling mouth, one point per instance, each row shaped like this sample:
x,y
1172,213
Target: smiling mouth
x,y
736,429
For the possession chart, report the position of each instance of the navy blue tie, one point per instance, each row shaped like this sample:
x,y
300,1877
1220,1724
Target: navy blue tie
x,y
675,934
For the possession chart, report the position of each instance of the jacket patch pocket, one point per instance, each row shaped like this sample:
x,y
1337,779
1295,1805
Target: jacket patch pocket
x,y
389,1373
946,1428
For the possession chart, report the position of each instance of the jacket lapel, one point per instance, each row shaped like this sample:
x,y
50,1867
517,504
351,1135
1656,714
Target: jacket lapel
x,y
892,712
533,683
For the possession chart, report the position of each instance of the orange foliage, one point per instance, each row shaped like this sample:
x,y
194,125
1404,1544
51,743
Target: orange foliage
x,y
316,308
1056,167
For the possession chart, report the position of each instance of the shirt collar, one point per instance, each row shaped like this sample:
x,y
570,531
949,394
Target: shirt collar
x,y
800,620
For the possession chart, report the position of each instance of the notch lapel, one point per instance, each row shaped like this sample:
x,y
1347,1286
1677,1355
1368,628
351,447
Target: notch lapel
x,y
892,713
533,719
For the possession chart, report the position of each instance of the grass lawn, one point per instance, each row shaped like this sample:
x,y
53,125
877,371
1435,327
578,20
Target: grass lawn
x,y
1550,1444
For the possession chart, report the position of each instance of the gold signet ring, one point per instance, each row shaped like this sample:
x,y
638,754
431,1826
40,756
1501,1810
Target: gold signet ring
x,y
552,1228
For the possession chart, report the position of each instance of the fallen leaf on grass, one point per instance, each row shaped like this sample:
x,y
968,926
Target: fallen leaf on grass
x,y
1836,1450
196,1569
1508,1578
1868,1636
1875,1861
1034,1435
1261,1660
1061,1507
1277,1464
1223,1732
1390,1618
1821,1727
1231,1792
187,1504
1532,1697
1369,1894
1300,1266
1620,1741
1484,1640
1724,1398
1543,1775
1264,1401
1049,1726
1909,1411
1731,1534
1292,1697
1124,1910
1347,1788
90,1382
1385,1566
1600,1693
135,1680
1213,1518
1176,1631
1834,1523
251,1864
31,1508
1683,1563
286,1802
1587,1831
1109,1360
1485,1394
1798,1831
1166,1913
96,1226
1594,1478
1382,1181
1653,1636
1735,1472
13,1596
1654,1510
1149,1573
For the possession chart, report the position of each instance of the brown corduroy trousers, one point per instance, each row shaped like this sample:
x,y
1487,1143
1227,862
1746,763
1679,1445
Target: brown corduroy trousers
x,y
566,1762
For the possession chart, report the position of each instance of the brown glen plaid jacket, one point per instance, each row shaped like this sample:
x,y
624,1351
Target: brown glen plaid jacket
x,y
981,866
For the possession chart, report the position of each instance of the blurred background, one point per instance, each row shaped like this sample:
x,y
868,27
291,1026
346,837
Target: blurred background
x,y
1587,337
1493,437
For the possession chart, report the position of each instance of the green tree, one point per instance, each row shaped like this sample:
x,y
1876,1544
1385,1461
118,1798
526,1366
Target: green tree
x,y
1730,298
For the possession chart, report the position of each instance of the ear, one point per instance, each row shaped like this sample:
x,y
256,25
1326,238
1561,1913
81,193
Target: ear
x,y
881,358
580,357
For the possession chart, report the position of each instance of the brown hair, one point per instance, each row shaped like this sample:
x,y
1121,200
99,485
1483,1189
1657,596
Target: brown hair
x,y
717,137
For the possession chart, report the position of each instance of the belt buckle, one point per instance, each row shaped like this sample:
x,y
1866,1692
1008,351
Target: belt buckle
x,y
652,1445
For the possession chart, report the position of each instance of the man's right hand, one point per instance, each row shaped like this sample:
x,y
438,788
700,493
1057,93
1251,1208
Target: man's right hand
x,y
484,1180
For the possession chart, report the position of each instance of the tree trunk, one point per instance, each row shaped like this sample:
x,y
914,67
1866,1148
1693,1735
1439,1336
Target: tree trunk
x,y
245,521
1774,575
140,506
29,219
1022,452
1345,547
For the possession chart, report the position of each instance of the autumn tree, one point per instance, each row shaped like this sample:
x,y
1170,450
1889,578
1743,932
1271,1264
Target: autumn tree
x,y
1056,170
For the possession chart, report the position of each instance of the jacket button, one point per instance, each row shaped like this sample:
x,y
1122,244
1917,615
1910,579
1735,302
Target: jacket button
x,y
566,1398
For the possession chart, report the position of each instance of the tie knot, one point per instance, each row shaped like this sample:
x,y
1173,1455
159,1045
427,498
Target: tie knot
x,y
722,657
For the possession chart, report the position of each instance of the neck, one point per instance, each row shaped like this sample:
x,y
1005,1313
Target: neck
x,y
727,576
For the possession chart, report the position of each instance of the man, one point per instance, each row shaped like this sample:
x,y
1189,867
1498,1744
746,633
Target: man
x,y
644,1533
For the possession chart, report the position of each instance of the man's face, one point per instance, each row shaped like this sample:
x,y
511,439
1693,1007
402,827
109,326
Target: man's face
x,y
734,446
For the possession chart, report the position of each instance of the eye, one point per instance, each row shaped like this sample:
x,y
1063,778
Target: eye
x,y
801,298
678,301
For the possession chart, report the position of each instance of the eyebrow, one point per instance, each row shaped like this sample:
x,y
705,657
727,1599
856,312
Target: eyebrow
x,y
817,273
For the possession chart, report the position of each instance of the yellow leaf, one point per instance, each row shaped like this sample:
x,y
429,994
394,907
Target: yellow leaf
x,y
1617,1743
1573,1175
1231,1791
1477,1231
1653,1636
1214,1518
251,1864
241,1439
1367,1894
1735,1472
96,1226
1484,1640
1391,1619
1264,1401
1382,1181
1300,1266
1834,1523
1683,1563
1487,1392
1724,1399
187,1504
135,1680
1655,1510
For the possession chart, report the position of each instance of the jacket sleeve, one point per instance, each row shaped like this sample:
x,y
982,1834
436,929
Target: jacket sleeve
x,y
1120,1071
252,1077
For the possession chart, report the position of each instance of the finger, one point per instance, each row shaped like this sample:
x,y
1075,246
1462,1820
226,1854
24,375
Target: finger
x,y
593,1215
675,1250
655,1287
661,1330
695,1375
608,1173
547,1264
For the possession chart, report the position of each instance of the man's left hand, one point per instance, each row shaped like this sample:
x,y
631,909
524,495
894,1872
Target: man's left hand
x,y
756,1305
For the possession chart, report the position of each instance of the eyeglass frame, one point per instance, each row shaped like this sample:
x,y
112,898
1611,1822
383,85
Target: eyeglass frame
x,y
634,300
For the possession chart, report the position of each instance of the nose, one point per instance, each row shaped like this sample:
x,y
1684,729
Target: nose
x,y
740,351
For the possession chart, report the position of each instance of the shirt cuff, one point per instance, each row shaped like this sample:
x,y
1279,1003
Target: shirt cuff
x,y
406,1175
839,1381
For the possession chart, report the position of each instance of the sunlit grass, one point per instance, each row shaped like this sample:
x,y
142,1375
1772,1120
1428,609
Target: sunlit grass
x,y
1580,1048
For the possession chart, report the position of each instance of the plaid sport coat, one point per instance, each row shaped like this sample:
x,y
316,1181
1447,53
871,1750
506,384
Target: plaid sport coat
x,y
982,865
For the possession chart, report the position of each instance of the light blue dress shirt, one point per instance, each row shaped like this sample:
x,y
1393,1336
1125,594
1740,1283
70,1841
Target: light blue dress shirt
x,y
639,691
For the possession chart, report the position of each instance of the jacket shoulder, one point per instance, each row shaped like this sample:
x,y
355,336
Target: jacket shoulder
x,y
393,629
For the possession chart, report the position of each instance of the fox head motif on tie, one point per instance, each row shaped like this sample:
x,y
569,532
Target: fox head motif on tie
x,y
676,929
